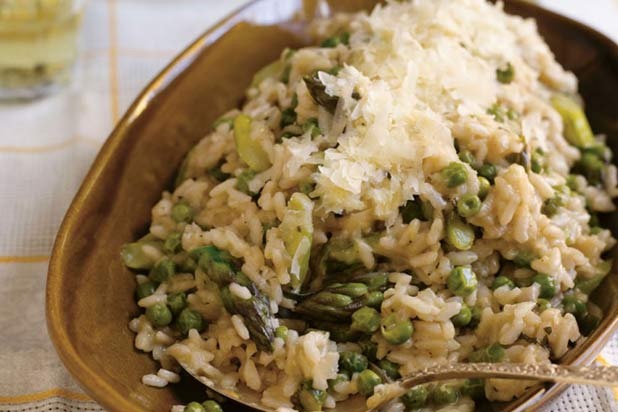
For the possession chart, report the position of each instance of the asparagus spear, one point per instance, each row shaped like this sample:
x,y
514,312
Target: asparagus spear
x,y
337,261
577,130
317,89
135,257
297,231
249,150
223,270
337,302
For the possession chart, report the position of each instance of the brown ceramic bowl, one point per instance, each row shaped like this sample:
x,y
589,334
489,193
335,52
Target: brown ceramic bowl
x,y
90,292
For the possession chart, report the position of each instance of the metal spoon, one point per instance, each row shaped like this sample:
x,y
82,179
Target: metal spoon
x,y
585,375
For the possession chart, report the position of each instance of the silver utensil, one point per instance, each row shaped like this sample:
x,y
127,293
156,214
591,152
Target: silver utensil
x,y
585,375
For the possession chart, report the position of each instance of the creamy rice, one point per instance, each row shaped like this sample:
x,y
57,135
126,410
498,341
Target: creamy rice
x,y
411,190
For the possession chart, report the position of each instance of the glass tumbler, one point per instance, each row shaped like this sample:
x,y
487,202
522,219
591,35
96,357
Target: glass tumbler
x,y
38,46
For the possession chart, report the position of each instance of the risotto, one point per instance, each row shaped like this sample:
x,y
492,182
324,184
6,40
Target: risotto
x,y
420,188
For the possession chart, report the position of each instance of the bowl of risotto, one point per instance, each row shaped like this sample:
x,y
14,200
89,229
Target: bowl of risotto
x,y
318,198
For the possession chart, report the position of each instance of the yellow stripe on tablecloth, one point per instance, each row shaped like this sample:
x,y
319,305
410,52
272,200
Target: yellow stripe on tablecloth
x,y
112,27
48,148
132,52
601,359
39,396
24,259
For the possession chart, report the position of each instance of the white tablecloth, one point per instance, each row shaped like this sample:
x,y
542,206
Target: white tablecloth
x,y
47,146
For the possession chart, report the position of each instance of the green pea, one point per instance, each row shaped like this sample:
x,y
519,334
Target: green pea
x,y
282,332
163,270
194,407
413,209
173,243
467,157
391,369
468,205
444,394
212,406
331,42
189,319
552,206
159,314
548,287
591,167
571,304
498,112
288,117
459,234
366,320
218,174
243,179
488,171
340,378
395,330
455,174
588,323
484,186
505,74
600,150
463,318
182,212
306,188
462,281
366,381
501,281
415,398
145,289
473,388
289,134
571,182
368,348
537,162
542,305
188,265
476,316
285,74
311,399
493,353
523,259
594,220
312,125
177,302
352,362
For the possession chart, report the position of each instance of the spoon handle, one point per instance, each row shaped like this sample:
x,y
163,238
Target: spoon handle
x,y
585,375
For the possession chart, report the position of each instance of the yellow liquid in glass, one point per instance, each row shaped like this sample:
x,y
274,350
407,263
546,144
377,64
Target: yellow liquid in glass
x,y
38,44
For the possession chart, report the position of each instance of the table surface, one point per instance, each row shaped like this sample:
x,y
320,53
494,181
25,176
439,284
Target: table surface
x,y
47,146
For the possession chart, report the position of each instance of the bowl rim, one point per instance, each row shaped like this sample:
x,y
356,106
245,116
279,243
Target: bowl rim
x,y
96,386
